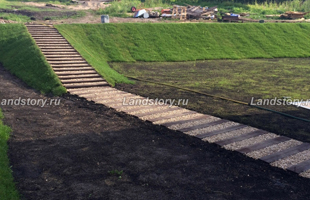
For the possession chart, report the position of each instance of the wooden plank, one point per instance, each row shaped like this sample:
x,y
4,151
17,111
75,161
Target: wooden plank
x,y
300,167
169,116
167,109
241,137
201,126
263,144
229,129
198,118
286,153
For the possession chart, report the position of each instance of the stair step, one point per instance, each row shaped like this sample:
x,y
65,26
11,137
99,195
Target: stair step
x,y
65,59
70,65
62,44
49,36
54,46
73,69
51,41
58,51
81,85
55,63
70,73
69,47
43,32
79,76
66,55
41,29
82,80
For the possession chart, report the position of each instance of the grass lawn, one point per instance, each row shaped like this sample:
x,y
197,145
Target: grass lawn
x,y
188,42
7,185
20,55
102,43
235,79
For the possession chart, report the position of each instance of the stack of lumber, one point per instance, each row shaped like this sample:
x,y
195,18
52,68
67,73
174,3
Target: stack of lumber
x,y
293,15
197,12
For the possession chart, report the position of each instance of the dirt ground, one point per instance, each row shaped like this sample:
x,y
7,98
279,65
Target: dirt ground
x,y
66,152
41,15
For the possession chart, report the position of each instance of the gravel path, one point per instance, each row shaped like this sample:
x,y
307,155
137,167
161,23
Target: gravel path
x,y
251,141
292,160
273,149
212,128
230,134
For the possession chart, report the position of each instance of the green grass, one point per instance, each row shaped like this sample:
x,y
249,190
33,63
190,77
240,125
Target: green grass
x,y
90,49
188,42
20,55
237,79
7,185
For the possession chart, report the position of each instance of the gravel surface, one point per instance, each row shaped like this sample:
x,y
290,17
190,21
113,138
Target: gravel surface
x,y
230,134
251,141
120,102
212,128
292,160
167,113
273,149
148,109
305,174
93,90
196,122
102,93
174,119
111,98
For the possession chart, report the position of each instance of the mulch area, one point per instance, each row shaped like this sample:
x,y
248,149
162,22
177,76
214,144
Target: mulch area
x,y
66,152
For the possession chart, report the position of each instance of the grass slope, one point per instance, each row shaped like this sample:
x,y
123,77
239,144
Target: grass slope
x,y
186,42
90,49
20,55
7,185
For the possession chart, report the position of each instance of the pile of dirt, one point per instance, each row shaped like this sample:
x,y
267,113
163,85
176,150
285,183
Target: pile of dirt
x,y
41,15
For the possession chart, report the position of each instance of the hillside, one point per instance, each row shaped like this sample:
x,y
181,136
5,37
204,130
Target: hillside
x,y
20,55
185,42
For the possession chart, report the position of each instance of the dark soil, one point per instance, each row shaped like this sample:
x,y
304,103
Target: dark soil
x,y
42,15
66,152
180,74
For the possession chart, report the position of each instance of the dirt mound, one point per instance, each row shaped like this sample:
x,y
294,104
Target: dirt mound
x,y
41,15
